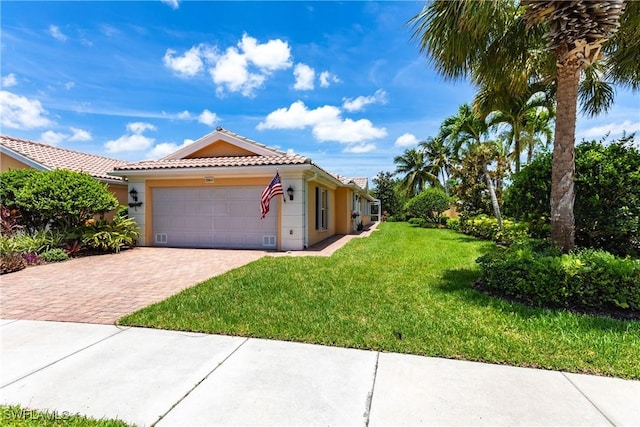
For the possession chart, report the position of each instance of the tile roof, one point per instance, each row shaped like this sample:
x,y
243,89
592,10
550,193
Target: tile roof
x,y
215,162
51,157
250,141
360,182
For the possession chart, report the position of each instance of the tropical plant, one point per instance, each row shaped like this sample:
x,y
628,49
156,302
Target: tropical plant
x,y
510,44
438,155
467,130
501,106
429,205
607,205
111,236
416,172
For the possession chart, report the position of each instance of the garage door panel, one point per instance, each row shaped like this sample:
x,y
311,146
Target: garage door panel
x,y
225,217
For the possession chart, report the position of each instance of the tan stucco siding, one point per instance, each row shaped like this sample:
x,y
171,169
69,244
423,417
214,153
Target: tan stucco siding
x,y
220,149
7,163
316,236
343,210
121,191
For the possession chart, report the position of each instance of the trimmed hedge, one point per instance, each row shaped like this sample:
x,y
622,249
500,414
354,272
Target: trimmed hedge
x,y
584,279
485,227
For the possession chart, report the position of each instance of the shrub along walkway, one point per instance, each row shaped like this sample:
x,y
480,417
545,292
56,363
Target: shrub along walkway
x,y
103,288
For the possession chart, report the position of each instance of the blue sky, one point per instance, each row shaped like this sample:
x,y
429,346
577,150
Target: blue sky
x,y
340,82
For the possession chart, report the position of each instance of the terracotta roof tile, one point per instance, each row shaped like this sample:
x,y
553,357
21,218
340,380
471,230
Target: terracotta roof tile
x,y
52,157
360,182
215,162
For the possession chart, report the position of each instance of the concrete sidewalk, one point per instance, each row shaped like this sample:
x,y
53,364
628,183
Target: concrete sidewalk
x,y
167,378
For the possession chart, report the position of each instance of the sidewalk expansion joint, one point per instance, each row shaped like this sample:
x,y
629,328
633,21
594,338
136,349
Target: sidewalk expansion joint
x,y
199,382
589,400
120,330
367,413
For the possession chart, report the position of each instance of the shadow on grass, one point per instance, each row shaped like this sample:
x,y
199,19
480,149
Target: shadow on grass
x,y
460,282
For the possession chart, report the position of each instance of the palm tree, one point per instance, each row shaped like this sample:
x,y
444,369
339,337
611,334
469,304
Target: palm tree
x,y
511,44
501,106
538,123
417,172
438,155
466,130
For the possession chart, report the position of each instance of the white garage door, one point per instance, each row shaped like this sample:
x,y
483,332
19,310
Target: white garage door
x,y
212,217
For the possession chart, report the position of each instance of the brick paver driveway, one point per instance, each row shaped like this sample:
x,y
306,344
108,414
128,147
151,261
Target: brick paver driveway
x,y
101,289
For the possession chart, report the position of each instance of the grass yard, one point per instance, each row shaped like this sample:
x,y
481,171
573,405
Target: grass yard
x,y
17,416
403,289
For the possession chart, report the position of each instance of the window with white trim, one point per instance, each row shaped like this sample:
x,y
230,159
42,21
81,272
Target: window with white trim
x,y
322,209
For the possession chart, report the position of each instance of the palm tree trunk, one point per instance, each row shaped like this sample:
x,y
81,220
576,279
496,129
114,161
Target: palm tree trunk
x,y
517,149
563,166
492,193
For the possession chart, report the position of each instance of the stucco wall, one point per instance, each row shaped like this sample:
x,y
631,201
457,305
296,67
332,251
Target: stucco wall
x,y
7,163
316,236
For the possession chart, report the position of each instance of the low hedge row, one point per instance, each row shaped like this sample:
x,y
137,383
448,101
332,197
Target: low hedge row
x,y
536,274
485,227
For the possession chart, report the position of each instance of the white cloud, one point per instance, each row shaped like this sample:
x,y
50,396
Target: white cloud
x,y
360,148
69,85
80,135
139,127
326,78
134,141
406,140
165,148
348,131
246,67
52,138
55,32
298,116
612,129
270,56
9,80
185,115
187,65
326,123
173,4
358,104
305,76
208,118
19,112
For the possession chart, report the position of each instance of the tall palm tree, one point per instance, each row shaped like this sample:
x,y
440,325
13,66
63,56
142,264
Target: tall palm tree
x,y
501,106
438,155
538,124
466,130
415,170
510,43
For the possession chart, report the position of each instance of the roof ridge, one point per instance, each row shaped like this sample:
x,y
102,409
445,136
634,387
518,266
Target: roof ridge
x,y
259,144
42,144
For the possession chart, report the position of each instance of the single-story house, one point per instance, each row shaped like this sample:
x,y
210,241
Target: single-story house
x,y
208,194
18,153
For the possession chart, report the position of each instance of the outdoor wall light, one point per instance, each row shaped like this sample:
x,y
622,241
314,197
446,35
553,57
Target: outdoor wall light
x,y
134,196
290,192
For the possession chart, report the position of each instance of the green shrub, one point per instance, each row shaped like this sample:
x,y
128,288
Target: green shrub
x,y
418,222
429,205
607,203
485,227
453,224
111,236
542,276
54,255
58,199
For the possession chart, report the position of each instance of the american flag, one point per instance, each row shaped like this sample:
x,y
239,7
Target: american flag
x,y
273,189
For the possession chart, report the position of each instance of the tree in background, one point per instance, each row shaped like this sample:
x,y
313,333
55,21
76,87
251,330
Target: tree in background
x,y
415,170
386,191
429,205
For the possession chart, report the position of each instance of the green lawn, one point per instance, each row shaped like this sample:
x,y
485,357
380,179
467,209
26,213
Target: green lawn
x,y
17,416
403,289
